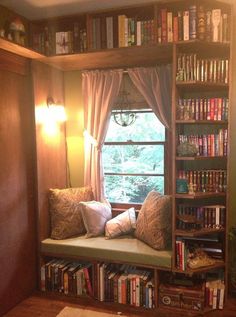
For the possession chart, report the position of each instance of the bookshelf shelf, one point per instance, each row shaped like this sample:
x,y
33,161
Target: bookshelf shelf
x,y
197,233
219,264
211,122
199,158
200,195
19,50
201,85
120,57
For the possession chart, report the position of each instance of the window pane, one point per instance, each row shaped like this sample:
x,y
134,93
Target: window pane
x,y
146,127
131,188
133,159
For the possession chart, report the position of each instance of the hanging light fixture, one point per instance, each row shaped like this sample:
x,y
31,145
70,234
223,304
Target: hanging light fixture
x,y
123,115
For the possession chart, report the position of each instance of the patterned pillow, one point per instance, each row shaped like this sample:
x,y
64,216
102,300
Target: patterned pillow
x,y
95,215
154,221
122,224
66,218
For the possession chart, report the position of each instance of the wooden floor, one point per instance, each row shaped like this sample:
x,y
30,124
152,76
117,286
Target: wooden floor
x,y
41,306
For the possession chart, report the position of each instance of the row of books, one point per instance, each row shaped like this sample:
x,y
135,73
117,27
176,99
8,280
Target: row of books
x,y
214,294
215,109
192,68
195,22
185,248
204,180
132,32
200,217
208,144
70,278
124,284
49,42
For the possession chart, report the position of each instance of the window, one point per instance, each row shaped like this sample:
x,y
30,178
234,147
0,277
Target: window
x,y
134,158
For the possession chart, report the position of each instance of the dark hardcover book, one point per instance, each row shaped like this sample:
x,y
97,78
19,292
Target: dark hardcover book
x,y
192,22
180,25
98,38
164,25
208,23
103,33
76,39
201,23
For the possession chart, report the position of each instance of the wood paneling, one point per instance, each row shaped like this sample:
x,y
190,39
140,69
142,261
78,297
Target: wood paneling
x,y
13,63
17,187
51,149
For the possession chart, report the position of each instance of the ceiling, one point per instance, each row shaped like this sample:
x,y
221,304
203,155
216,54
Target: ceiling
x,y
40,9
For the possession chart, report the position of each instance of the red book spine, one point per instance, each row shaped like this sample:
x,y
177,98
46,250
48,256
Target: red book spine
x,y
163,25
175,29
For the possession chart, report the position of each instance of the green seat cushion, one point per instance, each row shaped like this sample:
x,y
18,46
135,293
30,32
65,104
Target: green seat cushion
x,y
123,249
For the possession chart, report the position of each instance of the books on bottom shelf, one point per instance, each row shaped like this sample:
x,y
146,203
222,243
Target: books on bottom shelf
x,y
70,278
123,284
214,294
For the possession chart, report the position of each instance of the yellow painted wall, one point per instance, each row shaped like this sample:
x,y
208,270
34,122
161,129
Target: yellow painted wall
x,y
74,126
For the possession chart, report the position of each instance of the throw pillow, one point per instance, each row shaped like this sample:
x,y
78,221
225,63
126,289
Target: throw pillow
x,y
66,218
154,221
95,215
124,223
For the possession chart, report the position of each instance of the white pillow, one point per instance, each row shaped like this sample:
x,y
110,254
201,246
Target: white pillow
x,y
122,224
95,215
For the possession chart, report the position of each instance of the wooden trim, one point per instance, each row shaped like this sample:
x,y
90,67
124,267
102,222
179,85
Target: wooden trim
x,y
13,63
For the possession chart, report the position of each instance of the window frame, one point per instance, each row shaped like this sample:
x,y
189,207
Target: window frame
x,y
119,207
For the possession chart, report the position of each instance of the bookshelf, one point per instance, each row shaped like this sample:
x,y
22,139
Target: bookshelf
x,y
200,101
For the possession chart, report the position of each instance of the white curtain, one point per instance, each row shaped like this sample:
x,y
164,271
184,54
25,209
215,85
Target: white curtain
x,y
100,89
154,83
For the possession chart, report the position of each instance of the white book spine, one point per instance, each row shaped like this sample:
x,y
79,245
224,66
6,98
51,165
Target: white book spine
x,y
138,31
169,27
216,18
186,25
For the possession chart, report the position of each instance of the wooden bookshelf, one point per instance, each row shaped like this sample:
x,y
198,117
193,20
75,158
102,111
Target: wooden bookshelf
x,y
18,49
110,58
157,52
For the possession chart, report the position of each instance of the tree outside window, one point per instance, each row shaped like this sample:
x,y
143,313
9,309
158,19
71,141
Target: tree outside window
x,y
134,158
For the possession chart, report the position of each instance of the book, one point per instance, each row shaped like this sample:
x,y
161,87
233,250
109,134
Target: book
x,y
192,22
201,22
169,27
216,20
164,25
121,30
109,32
186,25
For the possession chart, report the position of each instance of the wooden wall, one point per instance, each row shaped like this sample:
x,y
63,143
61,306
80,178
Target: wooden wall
x,y
51,145
17,183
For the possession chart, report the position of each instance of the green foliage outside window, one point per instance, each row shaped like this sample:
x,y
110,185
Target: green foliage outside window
x,y
141,166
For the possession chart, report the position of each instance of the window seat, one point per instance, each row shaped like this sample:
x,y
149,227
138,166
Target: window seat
x,y
125,249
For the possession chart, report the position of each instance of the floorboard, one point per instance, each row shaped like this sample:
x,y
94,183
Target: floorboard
x,y
42,306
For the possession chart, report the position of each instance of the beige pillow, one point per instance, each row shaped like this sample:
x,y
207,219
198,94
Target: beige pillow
x,y
66,218
95,215
154,221
124,223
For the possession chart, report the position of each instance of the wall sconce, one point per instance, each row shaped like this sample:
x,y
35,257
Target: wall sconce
x,y
56,110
